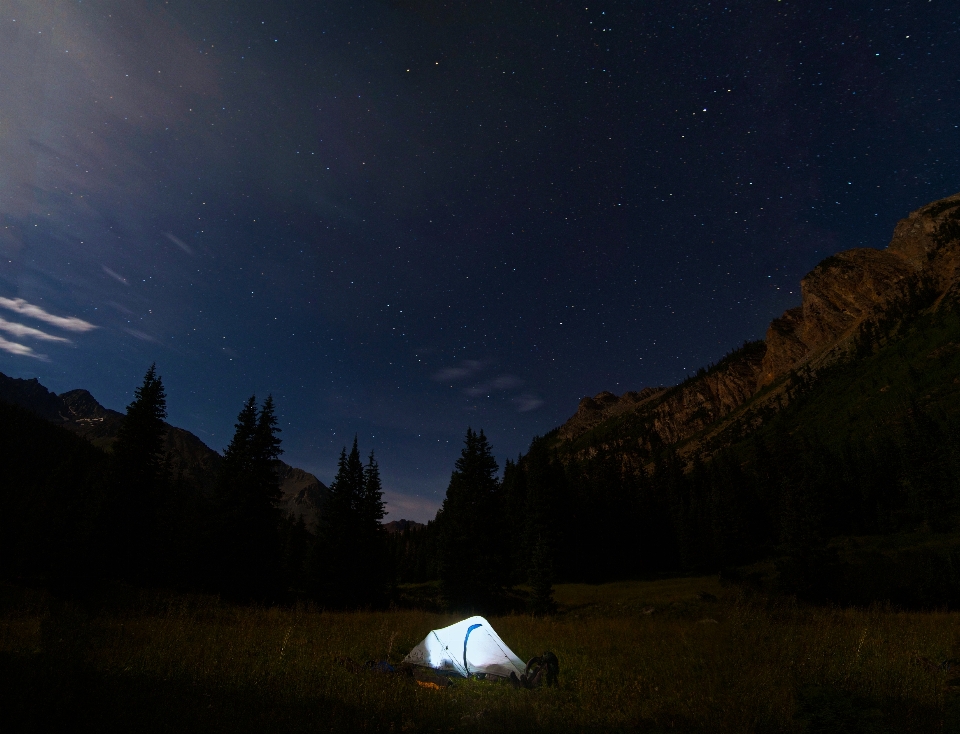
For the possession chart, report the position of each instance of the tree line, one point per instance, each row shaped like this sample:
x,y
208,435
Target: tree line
x,y
780,495
72,514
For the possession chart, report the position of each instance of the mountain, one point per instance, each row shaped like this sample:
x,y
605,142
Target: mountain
x,y
399,526
851,304
188,456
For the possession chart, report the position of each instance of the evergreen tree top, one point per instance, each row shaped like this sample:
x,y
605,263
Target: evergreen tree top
x,y
347,486
373,507
246,426
266,443
476,462
140,441
150,399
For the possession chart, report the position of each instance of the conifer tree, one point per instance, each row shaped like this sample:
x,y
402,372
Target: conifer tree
x,y
540,531
136,517
335,568
373,548
513,490
541,578
473,571
373,510
248,490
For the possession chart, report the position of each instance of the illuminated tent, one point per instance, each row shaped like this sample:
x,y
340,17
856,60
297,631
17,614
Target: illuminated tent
x,y
467,648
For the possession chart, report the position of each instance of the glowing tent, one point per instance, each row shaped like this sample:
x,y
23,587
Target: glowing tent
x,y
467,648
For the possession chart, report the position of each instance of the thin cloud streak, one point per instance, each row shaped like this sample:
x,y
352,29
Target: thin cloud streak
x,y
527,402
504,382
116,276
21,350
28,331
178,242
70,323
141,335
448,374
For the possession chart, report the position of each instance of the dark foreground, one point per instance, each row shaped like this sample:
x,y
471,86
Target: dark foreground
x,y
675,655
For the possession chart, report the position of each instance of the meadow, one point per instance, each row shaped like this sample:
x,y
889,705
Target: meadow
x,y
658,656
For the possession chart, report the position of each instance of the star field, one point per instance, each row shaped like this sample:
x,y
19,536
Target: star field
x,y
403,218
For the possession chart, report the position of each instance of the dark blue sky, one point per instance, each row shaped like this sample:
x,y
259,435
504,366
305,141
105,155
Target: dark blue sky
x,y
405,218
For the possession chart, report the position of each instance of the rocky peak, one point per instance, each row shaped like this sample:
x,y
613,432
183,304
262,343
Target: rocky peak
x,y
601,406
82,404
852,287
840,295
32,395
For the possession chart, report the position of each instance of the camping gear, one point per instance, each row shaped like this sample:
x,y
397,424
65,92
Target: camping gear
x,y
467,648
542,670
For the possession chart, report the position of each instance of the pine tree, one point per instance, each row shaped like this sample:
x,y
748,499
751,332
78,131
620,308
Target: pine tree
x,y
473,571
540,536
266,453
513,491
336,571
136,517
541,578
373,509
372,544
248,490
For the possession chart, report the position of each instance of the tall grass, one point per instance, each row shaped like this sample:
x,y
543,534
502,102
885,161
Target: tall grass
x,y
658,656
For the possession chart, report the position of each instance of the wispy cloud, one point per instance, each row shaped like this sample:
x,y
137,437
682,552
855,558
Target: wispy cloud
x,y
21,350
115,275
28,331
467,368
527,402
141,335
178,242
471,368
70,323
504,382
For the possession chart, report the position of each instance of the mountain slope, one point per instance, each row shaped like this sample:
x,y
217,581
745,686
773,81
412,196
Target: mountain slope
x,y
851,303
188,456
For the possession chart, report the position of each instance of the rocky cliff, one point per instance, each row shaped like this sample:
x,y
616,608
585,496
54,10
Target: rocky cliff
x,y
842,298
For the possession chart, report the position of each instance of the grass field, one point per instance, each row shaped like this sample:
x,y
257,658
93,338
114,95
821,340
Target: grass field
x,y
671,655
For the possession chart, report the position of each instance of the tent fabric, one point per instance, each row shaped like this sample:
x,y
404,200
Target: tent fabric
x,y
466,648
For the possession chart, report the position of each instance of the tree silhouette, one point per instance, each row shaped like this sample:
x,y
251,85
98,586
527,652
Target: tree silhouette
x,y
473,568
340,565
248,491
138,509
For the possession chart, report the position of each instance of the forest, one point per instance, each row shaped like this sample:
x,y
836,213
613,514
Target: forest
x,y
828,501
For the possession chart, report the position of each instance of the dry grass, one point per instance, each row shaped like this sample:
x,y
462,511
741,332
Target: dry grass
x,y
734,664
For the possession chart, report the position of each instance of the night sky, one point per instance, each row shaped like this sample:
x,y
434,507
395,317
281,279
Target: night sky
x,y
405,218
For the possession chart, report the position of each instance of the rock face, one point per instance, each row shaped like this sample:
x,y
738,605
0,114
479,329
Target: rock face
x,y
862,285
595,410
670,414
33,396
303,495
693,406
839,297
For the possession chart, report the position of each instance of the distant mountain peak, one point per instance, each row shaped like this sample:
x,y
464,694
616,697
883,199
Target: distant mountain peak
x,y
189,457
398,526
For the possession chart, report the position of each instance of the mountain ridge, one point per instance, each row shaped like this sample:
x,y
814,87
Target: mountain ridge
x,y
188,456
847,299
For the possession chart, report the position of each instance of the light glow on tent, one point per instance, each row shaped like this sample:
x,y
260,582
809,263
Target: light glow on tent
x,y
465,648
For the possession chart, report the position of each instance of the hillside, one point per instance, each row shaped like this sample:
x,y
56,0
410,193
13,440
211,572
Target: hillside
x,y
189,457
853,304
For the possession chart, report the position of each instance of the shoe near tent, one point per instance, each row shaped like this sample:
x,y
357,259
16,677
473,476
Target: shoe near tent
x,y
467,648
